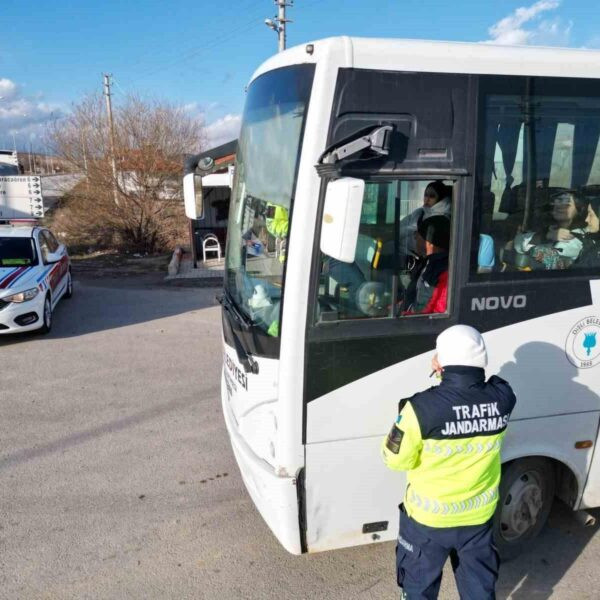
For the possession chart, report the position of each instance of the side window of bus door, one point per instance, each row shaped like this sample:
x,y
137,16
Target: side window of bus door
x,y
400,268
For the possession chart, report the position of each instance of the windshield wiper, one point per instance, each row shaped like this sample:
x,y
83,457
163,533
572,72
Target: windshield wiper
x,y
245,359
227,303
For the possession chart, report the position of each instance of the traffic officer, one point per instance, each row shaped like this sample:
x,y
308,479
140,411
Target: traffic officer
x,y
448,438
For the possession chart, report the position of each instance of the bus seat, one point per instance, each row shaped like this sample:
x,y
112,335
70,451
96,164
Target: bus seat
x,y
368,253
486,256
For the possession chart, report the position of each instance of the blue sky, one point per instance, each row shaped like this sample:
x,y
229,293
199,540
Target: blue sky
x,y
201,54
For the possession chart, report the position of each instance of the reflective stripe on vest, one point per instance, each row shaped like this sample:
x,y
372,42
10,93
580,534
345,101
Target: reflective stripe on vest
x,y
449,449
453,508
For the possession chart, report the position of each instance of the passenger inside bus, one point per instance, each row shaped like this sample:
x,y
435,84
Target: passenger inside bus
x,y
428,290
590,255
437,201
559,245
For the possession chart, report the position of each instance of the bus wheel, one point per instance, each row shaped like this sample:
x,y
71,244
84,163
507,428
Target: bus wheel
x,y
526,495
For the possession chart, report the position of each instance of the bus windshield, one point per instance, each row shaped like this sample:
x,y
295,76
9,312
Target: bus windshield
x,y
262,198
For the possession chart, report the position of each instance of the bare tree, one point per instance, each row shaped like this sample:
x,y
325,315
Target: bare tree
x,y
151,138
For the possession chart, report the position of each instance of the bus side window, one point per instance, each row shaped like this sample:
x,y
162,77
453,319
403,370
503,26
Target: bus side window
x,y
396,272
539,176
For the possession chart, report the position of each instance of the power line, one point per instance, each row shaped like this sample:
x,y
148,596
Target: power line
x,y
228,36
213,43
152,54
119,86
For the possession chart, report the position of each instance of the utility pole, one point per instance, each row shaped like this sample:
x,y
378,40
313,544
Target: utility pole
x,y
32,158
111,133
278,23
281,4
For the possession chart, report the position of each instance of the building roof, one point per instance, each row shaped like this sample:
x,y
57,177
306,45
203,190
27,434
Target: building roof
x,y
222,151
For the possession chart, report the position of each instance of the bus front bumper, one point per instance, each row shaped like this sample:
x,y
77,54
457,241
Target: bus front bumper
x,y
275,497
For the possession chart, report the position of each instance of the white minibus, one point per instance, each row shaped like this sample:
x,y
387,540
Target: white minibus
x,y
340,138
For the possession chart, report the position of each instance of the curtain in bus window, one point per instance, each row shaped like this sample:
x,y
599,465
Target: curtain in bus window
x,y
585,142
508,140
544,136
489,152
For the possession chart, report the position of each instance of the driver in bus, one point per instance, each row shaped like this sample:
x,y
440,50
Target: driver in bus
x,y
428,290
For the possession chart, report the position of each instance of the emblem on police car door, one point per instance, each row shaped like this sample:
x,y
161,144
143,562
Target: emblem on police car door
x,y
583,343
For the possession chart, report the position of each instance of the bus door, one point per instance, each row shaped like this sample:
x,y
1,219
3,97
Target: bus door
x,y
374,328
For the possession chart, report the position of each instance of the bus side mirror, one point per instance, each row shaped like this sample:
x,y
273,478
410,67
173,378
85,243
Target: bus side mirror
x,y
192,196
341,218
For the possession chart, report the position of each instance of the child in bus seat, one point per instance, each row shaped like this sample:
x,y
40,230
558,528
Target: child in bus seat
x,y
562,242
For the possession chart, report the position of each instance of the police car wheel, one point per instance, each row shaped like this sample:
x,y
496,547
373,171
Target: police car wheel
x,y
46,316
69,290
526,495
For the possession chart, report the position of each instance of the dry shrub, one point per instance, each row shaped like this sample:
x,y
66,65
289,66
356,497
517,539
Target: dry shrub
x,y
142,208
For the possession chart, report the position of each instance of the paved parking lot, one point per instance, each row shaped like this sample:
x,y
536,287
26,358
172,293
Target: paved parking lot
x,y
117,479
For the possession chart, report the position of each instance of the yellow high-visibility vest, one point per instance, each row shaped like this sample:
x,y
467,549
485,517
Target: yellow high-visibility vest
x,y
451,482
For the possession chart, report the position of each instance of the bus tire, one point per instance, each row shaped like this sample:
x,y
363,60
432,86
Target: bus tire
x,y
525,499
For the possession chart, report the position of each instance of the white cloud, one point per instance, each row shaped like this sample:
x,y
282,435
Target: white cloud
x,y
23,116
525,27
8,88
191,107
223,130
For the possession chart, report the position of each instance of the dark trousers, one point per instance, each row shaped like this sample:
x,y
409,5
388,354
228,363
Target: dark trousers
x,y
421,552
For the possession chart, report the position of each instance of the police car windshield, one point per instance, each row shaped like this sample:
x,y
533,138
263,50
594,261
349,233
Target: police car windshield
x,y
17,252
262,197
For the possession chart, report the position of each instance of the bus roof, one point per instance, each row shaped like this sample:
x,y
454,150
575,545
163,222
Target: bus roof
x,y
442,57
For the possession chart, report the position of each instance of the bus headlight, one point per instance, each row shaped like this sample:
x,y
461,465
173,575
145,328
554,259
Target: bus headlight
x,y
22,296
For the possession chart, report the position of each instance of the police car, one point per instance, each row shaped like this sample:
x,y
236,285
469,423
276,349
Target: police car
x,y
35,273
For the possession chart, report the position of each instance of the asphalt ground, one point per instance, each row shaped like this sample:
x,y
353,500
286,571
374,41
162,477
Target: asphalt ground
x,y
117,479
